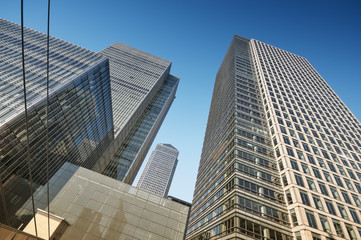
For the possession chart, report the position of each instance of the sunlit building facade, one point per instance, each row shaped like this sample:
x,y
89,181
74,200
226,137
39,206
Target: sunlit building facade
x,y
158,174
95,206
142,92
80,114
281,155
104,112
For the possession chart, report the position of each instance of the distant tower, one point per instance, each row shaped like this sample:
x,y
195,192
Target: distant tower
x,y
158,173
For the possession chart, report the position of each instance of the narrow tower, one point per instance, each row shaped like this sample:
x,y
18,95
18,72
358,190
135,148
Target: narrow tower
x,y
158,174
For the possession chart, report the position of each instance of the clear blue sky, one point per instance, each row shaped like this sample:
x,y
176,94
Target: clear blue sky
x,y
195,35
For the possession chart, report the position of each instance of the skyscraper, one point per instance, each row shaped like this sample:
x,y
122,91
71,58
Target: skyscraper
x,y
142,93
85,96
80,114
281,154
158,174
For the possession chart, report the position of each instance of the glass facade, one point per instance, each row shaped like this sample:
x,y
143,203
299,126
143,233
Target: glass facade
x,y
142,92
281,155
80,114
99,207
87,90
136,76
129,157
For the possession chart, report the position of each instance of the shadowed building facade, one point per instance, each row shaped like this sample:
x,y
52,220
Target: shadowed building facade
x,y
281,154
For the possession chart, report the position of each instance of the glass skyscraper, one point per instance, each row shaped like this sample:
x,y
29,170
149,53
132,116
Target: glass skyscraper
x,y
158,174
80,113
142,93
104,112
281,154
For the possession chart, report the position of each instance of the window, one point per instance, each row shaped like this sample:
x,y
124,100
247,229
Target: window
x,y
311,184
353,165
317,202
330,207
350,173
321,163
354,215
338,181
305,146
290,152
331,166
286,140
302,138
356,200
305,169
305,199
325,224
335,193
342,211
299,180
327,176
294,218
325,154
311,159
358,175
358,187
323,189
284,180
346,197
316,236
338,228
344,162
283,130
315,150
294,165
350,231
300,155
311,219
317,173
349,185
289,197
280,163
342,171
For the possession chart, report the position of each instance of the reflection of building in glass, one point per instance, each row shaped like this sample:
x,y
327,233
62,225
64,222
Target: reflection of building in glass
x,y
81,113
281,154
142,92
80,118
158,174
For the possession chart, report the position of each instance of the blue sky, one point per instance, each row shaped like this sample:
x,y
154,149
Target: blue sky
x,y
195,35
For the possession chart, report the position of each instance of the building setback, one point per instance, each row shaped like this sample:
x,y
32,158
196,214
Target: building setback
x,y
142,93
158,174
281,154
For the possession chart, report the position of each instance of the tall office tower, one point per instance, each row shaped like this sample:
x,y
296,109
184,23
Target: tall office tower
x,y
158,174
273,117
142,93
80,116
